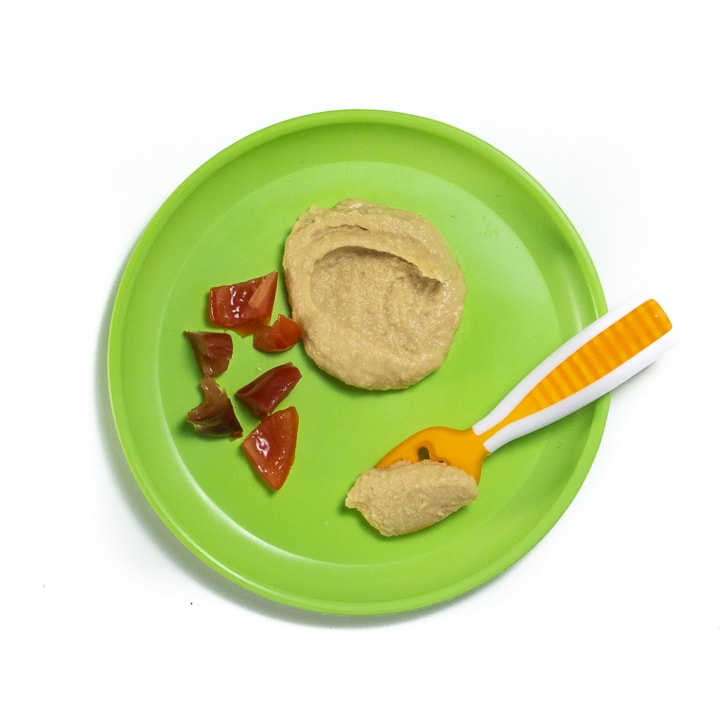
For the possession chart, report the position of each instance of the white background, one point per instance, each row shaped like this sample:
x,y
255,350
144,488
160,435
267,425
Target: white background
x,y
107,107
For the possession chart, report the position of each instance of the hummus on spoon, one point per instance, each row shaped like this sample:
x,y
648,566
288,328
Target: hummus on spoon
x,y
407,497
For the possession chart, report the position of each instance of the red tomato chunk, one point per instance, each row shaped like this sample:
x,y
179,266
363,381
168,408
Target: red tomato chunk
x,y
270,447
244,307
268,390
278,337
213,351
215,415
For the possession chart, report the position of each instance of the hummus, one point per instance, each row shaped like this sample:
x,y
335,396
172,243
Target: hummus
x,y
406,497
376,291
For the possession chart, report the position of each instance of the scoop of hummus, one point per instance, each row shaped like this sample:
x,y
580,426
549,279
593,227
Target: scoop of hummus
x,y
377,292
407,497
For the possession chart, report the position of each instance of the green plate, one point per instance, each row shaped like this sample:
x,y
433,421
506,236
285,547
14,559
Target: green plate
x,y
531,285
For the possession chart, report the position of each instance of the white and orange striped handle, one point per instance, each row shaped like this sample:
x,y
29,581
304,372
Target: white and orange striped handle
x,y
598,359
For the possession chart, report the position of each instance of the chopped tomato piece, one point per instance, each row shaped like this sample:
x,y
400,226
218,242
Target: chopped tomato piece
x,y
268,390
278,337
245,306
271,446
213,351
215,415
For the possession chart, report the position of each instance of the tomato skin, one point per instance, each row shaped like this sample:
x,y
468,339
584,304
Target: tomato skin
x,y
263,394
213,351
270,447
278,337
215,416
244,307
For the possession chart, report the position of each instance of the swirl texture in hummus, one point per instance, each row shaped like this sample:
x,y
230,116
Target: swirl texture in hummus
x,y
376,290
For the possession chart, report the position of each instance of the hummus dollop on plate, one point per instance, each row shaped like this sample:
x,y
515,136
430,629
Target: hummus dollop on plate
x,y
376,290
407,497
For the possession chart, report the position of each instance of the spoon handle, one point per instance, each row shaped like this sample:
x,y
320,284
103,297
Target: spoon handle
x,y
598,359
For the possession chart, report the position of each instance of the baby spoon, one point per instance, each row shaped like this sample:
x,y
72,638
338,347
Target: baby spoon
x,y
598,359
